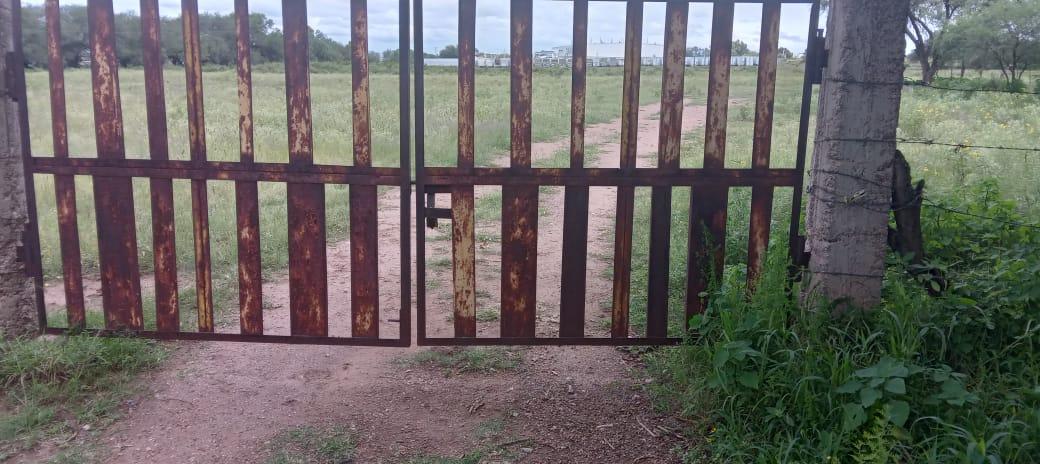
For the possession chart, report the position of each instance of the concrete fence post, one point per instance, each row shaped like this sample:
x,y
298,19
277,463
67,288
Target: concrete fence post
x,y
17,290
850,182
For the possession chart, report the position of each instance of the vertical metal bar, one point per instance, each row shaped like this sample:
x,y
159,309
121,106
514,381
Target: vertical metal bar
x,y
762,195
708,204
676,13
164,254
197,147
364,220
626,194
404,96
308,282
64,185
795,244
113,196
519,203
463,230
31,237
576,198
247,204
420,166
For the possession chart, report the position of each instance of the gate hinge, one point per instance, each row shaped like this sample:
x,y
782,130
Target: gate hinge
x,y
816,57
9,90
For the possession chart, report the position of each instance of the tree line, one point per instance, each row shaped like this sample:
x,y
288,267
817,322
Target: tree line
x,y
975,34
216,39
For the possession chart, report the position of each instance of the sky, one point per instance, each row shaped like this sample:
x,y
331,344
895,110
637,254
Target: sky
x,y
552,21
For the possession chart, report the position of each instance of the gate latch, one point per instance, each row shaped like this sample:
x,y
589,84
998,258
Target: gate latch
x,y
433,213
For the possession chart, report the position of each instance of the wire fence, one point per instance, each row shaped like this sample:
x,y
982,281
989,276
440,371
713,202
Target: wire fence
x,y
858,199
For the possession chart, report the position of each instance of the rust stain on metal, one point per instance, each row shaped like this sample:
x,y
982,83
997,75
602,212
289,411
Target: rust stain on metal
x,y
113,197
762,196
575,198
247,205
626,194
463,227
308,283
519,260
197,148
676,14
464,261
519,203
64,185
164,254
708,206
364,229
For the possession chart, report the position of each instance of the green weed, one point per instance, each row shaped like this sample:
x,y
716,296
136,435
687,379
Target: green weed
x,y
460,360
311,445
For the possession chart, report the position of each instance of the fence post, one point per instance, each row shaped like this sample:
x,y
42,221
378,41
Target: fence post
x,y
17,305
851,177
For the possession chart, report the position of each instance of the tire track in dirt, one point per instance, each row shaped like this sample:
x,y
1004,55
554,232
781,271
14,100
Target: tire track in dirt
x,y
220,402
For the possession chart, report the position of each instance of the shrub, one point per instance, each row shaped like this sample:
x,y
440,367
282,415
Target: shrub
x,y
919,379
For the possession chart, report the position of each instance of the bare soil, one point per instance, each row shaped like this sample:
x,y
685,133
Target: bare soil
x,y
221,402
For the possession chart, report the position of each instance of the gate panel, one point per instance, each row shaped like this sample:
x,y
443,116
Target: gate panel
x,y
761,196
364,235
65,186
197,149
113,196
247,202
520,181
112,173
708,205
308,297
463,224
519,203
167,313
626,193
576,198
668,162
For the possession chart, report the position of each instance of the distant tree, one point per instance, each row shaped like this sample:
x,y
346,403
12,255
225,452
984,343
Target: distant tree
x,y
784,54
1007,31
741,49
216,39
925,26
449,51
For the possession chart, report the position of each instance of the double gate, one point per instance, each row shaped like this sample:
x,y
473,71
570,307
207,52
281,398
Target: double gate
x,y
112,173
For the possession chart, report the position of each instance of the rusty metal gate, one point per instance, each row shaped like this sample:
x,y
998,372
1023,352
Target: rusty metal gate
x,y
520,181
112,171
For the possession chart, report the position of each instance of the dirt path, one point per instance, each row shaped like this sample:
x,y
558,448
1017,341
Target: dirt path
x,y
220,402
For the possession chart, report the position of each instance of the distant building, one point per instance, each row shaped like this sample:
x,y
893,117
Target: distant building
x,y
599,54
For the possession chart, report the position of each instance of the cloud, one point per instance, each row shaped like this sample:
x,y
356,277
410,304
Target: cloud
x,y
552,21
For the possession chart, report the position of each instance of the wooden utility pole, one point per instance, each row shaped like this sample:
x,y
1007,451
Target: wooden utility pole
x,y
17,290
850,182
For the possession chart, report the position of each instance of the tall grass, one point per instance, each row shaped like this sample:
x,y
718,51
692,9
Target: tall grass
x,y
50,387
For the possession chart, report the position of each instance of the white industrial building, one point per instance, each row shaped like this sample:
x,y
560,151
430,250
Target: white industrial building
x,y
600,54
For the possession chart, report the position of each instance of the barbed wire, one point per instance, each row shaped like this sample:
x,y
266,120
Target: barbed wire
x,y
854,199
929,142
916,83
919,83
851,199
